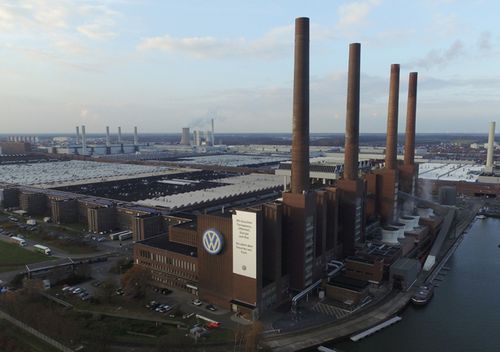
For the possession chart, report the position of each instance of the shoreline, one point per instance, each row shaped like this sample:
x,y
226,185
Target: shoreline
x,y
386,308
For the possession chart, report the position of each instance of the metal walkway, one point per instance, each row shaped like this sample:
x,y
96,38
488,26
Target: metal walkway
x,y
376,328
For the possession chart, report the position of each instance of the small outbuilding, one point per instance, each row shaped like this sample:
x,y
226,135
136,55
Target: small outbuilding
x,y
404,272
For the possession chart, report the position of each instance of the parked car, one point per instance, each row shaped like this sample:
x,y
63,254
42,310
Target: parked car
x,y
87,297
152,305
213,325
211,307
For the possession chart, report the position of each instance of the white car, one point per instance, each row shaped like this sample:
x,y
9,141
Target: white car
x,y
197,302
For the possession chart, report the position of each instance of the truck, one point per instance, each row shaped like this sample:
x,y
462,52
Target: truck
x,y
42,249
123,235
18,240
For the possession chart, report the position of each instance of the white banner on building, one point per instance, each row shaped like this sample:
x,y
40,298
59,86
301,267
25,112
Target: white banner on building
x,y
245,243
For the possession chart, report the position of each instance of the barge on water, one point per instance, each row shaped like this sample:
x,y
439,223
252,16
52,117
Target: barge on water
x,y
423,295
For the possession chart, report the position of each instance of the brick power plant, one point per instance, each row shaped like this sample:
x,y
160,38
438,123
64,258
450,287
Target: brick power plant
x,y
250,256
249,259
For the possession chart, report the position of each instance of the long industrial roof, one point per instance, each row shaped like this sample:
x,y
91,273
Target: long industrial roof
x,y
231,186
450,171
64,173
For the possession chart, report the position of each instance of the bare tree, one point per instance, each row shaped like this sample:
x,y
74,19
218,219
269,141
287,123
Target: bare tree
x,y
253,336
135,281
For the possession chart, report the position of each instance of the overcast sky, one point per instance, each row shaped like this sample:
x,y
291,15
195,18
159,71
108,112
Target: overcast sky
x,y
163,65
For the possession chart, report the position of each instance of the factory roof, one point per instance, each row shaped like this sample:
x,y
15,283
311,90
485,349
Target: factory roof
x,y
234,159
348,283
64,173
230,187
405,264
163,242
450,171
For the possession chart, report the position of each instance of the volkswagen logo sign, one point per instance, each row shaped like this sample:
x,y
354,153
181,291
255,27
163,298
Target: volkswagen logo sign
x,y
213,242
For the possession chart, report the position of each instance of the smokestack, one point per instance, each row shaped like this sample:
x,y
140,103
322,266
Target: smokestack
x,y
77,135
411,114
136,137
84,141
119,135
185,139
391,149
300,138
213,133
491,146
108,142
351,155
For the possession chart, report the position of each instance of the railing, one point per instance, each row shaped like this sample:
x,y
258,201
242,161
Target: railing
x,y
338,265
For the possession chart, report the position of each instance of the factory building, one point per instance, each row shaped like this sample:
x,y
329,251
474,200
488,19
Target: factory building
x,y
9,148
250,259
9,197
33,203
247,254
64,210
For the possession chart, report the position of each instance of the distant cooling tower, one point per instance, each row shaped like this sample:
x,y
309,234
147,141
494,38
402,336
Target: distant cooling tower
x,y
197,138
186,136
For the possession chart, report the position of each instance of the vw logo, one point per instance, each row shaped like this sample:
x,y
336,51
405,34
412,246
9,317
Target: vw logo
x,y
213,241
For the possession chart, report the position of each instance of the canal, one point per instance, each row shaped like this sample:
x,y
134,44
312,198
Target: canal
x,y
464,314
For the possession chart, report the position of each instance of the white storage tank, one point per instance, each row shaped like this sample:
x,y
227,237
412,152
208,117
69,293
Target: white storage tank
x,y
390,235
409,222
401,227
416,220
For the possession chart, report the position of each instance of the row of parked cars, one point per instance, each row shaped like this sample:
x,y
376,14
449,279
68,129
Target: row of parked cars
x,y
78,291
94,238
199,303
160,308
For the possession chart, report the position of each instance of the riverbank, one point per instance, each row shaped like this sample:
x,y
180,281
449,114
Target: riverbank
x,y
371,316
463,314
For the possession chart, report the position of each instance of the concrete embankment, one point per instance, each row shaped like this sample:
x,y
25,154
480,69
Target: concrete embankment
x,y
321,335
366,319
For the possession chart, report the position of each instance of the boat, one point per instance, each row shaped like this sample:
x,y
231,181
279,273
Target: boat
x,y
423,295
481,217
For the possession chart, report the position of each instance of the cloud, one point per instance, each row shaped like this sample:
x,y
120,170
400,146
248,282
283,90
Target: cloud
x,y
89,116
484,41
355,12
61,32
96,30
274,44
56,17
100,22
436,58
